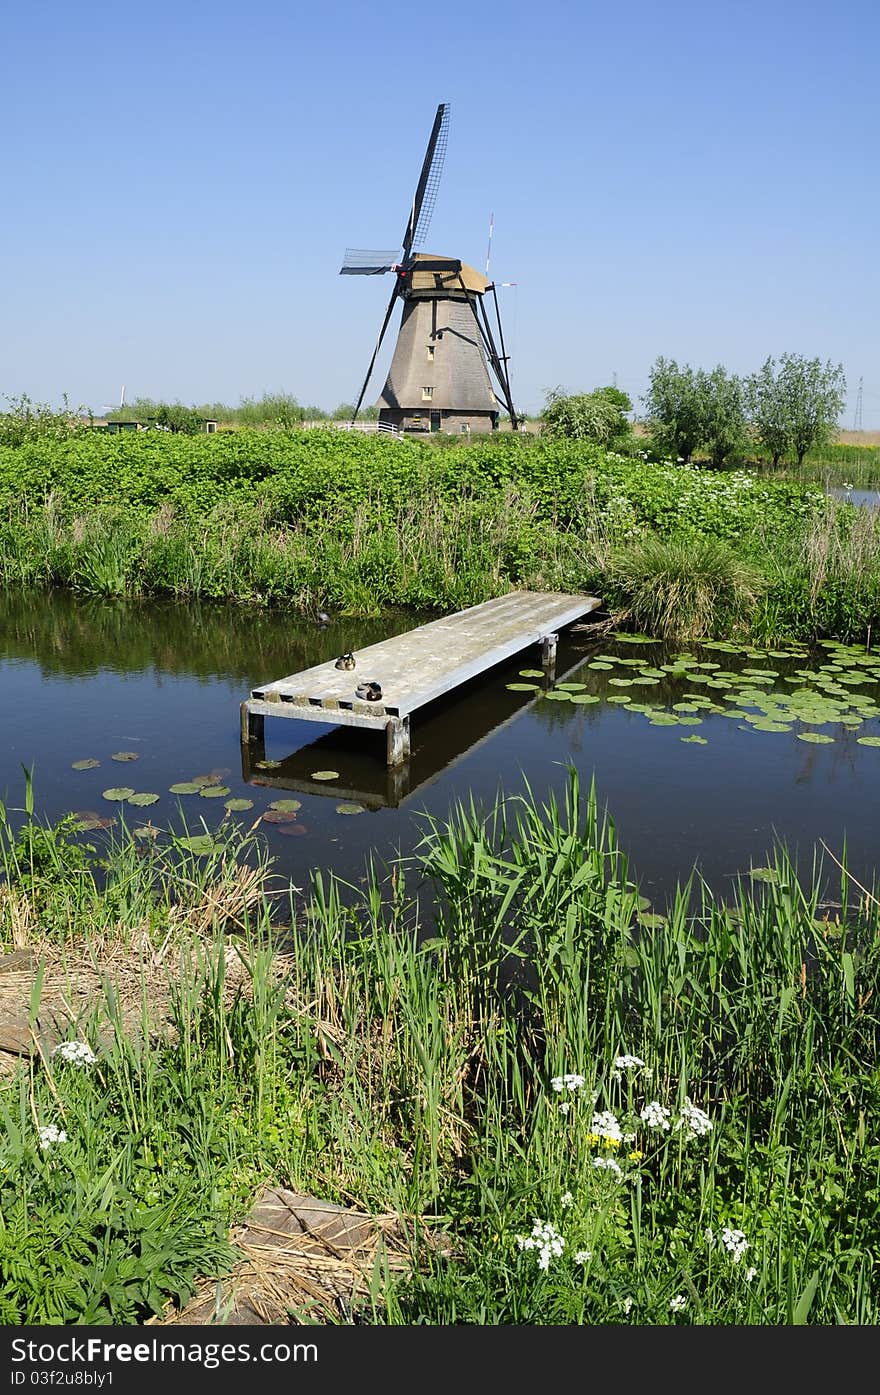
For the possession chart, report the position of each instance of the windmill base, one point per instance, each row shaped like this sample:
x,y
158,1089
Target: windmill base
x,y
426,420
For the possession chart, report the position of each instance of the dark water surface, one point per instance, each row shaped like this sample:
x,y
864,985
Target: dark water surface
x,y
84,679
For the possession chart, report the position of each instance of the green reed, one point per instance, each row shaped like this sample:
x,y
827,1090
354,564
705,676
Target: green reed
x,y
489,1034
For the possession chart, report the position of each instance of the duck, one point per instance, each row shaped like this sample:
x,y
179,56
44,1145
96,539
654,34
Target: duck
x,y
323,619
346,660
368,692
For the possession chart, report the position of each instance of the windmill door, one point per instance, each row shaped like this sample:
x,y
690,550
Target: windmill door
x,y
435,421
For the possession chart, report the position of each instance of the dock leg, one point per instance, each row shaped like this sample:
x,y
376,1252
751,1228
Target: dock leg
x,y
397,741
548,653
253,726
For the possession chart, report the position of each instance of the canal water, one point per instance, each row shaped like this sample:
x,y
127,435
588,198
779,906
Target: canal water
x,y
705,757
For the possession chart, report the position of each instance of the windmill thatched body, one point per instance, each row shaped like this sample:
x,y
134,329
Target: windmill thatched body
x,y
439,375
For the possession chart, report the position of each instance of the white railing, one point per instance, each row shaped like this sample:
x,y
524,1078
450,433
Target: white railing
x,y
386,427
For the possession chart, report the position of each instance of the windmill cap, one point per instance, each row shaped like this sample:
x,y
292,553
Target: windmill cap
x,y
450,281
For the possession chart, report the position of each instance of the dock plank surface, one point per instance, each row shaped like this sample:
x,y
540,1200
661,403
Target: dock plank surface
x,y
423,664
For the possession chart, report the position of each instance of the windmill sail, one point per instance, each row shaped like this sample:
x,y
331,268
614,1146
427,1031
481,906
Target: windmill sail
x,y
358,262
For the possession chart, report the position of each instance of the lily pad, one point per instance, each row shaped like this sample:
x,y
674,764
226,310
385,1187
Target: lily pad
x,y
531,673
126,755
200,843
325,774
555,696
268,764
652,920
141,800
350,809
146,830
288,805
600,664
816,737
764,874
279,816
118,795
584,697
573,687
621,682
618,697
868,740
237,806
85,764
184,787
694,740
87,821
214,791
522,687
204,780
633,639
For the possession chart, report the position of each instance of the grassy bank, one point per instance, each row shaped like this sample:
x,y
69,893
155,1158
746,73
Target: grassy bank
x,y
320,520
613,1113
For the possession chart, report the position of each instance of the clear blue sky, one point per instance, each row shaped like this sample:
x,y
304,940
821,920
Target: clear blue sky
x,y
181,180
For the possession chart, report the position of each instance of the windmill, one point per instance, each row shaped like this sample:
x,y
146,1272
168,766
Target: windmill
x,y
439,375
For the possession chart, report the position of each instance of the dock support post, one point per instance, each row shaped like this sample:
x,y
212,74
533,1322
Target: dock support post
x,y
548,652
397,741
253,725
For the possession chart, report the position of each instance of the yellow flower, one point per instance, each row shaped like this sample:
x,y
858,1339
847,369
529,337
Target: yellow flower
x,y
635,1156
611,1142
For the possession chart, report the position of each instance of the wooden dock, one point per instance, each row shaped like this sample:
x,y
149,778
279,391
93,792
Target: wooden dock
x,y
416,668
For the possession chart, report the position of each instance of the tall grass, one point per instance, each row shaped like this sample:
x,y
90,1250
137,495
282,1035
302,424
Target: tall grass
x,y
490,1038
682,587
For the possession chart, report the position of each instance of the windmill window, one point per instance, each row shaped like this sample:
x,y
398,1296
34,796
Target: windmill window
x,y
430,353
427,394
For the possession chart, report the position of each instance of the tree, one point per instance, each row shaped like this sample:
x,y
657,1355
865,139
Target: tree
x,y
796,407
675,403
765,410
812,400
690,407
724,413
598,416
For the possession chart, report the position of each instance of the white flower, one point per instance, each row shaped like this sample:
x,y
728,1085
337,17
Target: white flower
x,y
544,1238
606,1125
628,1062
656,1115
583,1256
566,1199
734,1241
568,1082
76,1052
750,1274
694,1118
609,1165
564,1106
627,1305
50,1133
678,1302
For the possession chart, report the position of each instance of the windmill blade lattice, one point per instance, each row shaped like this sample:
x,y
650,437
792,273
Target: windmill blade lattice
x,y
359,262
429,181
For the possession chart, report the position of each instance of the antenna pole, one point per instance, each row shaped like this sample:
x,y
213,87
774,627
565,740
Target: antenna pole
x,y
857,418
489,247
